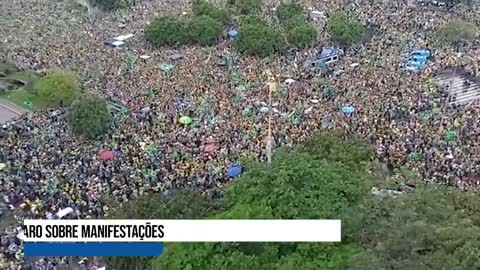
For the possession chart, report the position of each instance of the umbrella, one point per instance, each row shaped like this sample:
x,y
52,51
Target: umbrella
x,y
150,174
247,111
234,170
106,155
296,117
2,166
210,148
186,120
176,56
146,109
151,148
165,67
416,155
264,109
450,135
347,109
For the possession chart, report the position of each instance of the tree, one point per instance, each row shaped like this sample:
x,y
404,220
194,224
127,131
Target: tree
x,y
299,184
89,116
181,204
204,30
289,10
457,31
345,29
257,37
58,88
299,32
431,228
167,31
246,7
202,7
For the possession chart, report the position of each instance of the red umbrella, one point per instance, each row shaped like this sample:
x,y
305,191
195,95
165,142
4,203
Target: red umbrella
x,y
210,148
106,155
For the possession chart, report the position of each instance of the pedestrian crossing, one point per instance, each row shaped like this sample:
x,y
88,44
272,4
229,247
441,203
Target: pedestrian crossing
x,y
461,89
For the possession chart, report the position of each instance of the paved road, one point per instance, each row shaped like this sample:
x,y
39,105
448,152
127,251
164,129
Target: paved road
x,y
9,111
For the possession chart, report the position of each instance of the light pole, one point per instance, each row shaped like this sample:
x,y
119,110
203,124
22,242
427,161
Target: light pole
x,y
272,84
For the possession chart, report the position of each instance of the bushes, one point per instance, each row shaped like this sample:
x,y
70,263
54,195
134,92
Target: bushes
x,y
300,33
457,31
167,31
257,37
202,7
345,29
246,7
58,88
289,10
204,30
89,117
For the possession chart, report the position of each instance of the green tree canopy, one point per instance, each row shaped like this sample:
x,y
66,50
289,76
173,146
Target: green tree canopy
x,y
430,228
167,31
299,184
457,31
299,32
258,37
89,116
202,7
57,88
181,204
204,30
246,7
345,29
288,10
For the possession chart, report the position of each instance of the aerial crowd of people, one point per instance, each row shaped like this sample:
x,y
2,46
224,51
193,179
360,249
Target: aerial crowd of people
x,y
48,169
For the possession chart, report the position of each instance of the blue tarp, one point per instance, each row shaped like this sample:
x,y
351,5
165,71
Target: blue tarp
x,y
424,53
417,59
347,109
232,33
234,170
327,52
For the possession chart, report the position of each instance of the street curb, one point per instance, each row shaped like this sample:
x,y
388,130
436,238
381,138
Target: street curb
x,y
10,109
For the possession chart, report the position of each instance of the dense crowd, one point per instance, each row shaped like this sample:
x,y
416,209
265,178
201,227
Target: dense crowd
x,y
48,169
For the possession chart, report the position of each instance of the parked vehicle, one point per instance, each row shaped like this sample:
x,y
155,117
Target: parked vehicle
x,y
324,58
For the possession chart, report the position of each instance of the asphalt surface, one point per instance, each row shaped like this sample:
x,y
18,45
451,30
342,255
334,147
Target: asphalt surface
x,y
8,111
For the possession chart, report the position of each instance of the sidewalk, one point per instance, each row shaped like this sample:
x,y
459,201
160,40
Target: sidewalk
x,y
9,111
